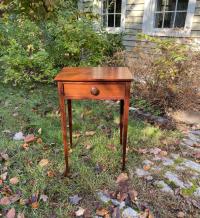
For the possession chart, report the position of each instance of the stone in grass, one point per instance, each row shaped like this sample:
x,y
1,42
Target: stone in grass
x,y
175,156
141,172
196,132
192,165
130,213
167,161
172,177
197,192
148,162
104,198
163,186
18,136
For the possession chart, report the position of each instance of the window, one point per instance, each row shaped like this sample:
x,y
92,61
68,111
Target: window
x,y
113,15
168,17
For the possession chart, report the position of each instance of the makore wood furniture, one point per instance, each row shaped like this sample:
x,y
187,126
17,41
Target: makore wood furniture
x,y
95,83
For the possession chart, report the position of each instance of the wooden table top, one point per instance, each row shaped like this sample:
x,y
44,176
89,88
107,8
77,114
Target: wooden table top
x,y
78,74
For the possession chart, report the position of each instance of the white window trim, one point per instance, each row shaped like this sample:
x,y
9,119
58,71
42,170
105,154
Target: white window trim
x,y
115,30
148,21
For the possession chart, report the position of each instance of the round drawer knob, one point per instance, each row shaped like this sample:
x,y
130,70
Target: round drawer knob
x,y
94,91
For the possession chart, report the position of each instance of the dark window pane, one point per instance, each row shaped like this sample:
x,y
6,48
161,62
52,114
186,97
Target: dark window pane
x,y
118,6
168,20
180,19
158,20
111,6
160,5
111,20
117,20
182,5
170,5
105,20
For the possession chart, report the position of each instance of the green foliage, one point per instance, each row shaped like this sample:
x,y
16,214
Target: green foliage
x,y
33,48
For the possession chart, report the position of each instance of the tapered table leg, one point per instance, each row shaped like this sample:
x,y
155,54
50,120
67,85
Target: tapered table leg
x,y
63,125
69,104
121,119
125,123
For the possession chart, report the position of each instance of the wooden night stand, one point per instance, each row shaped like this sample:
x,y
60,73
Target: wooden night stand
x,y
100,83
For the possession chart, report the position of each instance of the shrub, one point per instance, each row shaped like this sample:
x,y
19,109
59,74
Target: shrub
x,y
167,73
33,49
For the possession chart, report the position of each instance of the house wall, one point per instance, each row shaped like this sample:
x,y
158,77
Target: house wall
x,y
134,19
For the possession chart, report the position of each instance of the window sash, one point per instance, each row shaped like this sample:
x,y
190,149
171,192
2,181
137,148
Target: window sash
x,y
148,21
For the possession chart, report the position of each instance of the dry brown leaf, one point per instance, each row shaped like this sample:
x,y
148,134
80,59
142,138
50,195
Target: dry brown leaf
x,y
25,146
14,180
146,167
4,176
43,162
163,153
197,145
29,138
88,146
35,205
102,212
11,213
39,141
50,174
133,194
5,201
20,215
90,133
122,178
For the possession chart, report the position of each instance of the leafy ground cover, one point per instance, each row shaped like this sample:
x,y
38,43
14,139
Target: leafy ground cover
x,y
37,167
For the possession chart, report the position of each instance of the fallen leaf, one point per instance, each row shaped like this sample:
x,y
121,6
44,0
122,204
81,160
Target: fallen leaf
x,y
90,133
122,178
80,212
122,196
14,180
146,167
180,214
35,205
88,146
4,156
197,145
43,162
4,176
133,195
25,146
9,200
11,213
39,141
40,131
196,155
155,151
29,138
102,212
50,174
20,215
142,150
44,197
5,201
163,153
75,199
76,135
1,181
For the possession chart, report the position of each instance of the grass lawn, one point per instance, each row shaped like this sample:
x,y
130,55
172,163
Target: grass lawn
x,y
95,160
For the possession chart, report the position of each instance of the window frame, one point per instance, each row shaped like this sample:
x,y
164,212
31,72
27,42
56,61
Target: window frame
x,y
148,21
114,30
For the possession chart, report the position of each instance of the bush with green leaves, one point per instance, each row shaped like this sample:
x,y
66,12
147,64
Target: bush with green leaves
x,y
34,49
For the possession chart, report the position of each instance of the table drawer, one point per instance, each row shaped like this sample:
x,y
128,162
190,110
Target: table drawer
x,y
92,90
